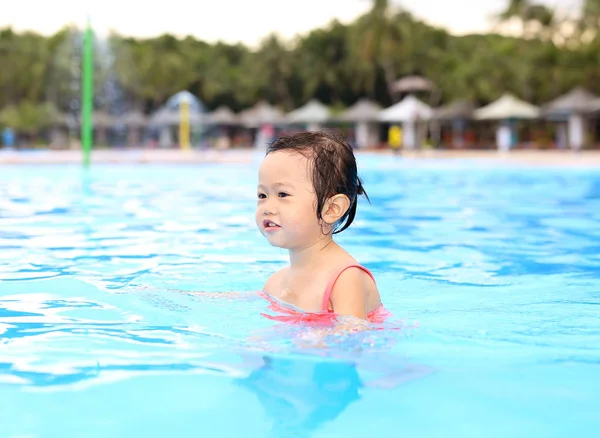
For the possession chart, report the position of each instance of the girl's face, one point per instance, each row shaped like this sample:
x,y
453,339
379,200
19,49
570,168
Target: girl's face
x,y
285,212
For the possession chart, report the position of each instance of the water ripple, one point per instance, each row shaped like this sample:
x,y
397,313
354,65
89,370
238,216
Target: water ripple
x,y
121,274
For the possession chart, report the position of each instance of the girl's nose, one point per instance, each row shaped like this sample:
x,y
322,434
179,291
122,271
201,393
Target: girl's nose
x,y
267,209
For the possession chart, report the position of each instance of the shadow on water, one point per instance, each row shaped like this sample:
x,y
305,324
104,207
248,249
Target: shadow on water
x,y
301,395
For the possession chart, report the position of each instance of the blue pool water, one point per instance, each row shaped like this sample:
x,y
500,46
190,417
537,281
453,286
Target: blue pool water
x,y
493,272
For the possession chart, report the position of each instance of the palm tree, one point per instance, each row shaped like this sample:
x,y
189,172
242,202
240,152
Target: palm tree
x,y
529,14
545,20
590,18
532,16
324,55
376,40
274,65
516,9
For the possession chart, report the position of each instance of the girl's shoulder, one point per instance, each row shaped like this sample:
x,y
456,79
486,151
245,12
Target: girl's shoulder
x,y
276,280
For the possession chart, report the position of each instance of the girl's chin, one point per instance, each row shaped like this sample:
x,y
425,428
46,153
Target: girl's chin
x,y
275,240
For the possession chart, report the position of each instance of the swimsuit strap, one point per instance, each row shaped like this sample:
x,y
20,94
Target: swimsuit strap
x,y
329,289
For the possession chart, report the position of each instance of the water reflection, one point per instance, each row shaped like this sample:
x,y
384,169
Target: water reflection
x,y
302,395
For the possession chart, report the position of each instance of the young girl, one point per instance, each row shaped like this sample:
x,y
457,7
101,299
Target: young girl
x,y
308,191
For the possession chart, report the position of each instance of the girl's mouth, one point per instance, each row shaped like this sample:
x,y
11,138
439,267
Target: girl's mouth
x,y
270,225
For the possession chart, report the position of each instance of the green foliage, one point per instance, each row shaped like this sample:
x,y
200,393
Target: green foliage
x,y
591,15
29,117
337,64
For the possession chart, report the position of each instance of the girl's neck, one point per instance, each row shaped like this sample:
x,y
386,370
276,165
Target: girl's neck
x,y
312,256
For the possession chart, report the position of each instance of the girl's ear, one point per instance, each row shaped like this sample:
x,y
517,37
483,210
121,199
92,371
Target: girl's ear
x,y
334,208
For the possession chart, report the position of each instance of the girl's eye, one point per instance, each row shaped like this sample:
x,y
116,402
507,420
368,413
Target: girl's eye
x,y
283,194
261,196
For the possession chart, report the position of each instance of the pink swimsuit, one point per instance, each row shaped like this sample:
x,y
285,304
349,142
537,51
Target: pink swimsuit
x,y
291,314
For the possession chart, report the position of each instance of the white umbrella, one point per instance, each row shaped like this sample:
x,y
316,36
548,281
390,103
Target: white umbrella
x,y
572,107
578,100
408,109
223,116
507,107
313,114
134,118
412,83
261,114
364,114
362,111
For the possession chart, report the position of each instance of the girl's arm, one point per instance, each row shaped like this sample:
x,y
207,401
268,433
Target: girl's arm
x,y
350,294
325,337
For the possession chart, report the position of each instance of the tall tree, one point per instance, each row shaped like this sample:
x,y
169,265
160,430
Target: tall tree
x,y
377,41
153,69
537,20
324,54
270,71
590,17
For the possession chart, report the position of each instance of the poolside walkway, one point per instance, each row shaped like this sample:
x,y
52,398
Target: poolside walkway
x,y
128,156
552,158
174,156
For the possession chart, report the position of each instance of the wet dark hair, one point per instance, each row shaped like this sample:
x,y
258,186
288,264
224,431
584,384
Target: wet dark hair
x,y
333,167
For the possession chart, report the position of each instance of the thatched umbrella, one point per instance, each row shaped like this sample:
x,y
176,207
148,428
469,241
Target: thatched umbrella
x,y
416,84
457,113
362,111
222,119
578,100
223,116
411,84
102,121
507,109
456,110
164,117
411,112
313,114
170,117
262,118
408,109
65,120
365,115
135,121
260,114
573,108
62,125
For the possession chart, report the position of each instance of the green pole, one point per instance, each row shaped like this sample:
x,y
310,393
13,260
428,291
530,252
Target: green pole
x,y
87,94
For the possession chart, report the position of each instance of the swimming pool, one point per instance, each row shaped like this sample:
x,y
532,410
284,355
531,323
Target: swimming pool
x,y
494,273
